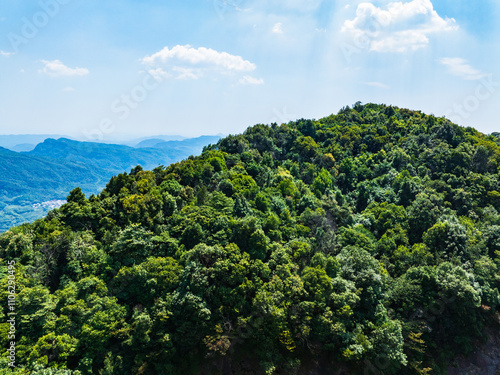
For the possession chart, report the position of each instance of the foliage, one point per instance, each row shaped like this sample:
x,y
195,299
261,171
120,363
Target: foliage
x,y
366,240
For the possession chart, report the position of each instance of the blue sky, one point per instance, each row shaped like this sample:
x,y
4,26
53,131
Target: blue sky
x,y
116,69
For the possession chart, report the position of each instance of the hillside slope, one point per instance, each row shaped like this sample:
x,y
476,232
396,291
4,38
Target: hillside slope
x,y
366,242
54,167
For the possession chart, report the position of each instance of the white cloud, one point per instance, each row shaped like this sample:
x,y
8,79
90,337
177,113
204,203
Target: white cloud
x,y
68,89
159,74
187,73
399,27
376,84
277,28
205,57
461,68
249,80
186,62
3,53
56,68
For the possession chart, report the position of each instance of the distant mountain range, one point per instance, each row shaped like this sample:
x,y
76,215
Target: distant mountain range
x,y
31,179
25,142
184,144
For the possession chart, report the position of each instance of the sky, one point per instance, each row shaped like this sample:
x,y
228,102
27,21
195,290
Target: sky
x,y
107,70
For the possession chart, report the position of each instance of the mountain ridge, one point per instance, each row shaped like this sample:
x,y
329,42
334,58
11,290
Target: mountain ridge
x,y
54,166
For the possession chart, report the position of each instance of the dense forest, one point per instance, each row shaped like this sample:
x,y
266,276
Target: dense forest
x,y
367,241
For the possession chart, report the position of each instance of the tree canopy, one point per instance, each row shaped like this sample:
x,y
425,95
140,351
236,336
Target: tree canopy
x,y
367,241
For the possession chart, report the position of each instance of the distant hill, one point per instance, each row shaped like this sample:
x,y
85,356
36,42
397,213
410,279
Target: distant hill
x,y
149,142
102,156
55,166
18,142
157,138
194,145
23,147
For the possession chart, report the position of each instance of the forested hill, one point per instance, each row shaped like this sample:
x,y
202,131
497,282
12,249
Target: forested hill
x,y
367,241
